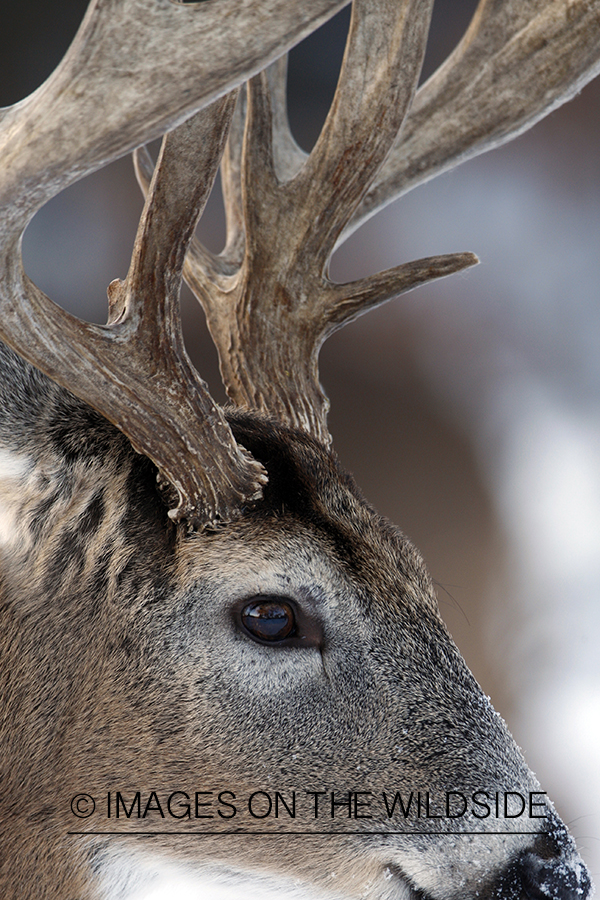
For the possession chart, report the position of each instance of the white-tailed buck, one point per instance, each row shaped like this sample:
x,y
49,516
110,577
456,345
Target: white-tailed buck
x,y
215,654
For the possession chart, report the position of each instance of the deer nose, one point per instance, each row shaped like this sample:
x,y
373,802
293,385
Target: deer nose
x,y
554,879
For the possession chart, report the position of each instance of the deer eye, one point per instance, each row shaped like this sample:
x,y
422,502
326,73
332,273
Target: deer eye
x,y
268,618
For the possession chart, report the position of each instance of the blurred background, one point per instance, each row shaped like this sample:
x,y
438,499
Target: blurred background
x,y
468,410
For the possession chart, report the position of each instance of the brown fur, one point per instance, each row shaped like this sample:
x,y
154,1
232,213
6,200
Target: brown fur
x,y
124,668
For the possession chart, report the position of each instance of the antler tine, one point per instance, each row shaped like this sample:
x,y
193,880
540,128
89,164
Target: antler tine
x,y
518,60
203,267
348,301
210,276
382,61
209,263
135,370
231,184
289,158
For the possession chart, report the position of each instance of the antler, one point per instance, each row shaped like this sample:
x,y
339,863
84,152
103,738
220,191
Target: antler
x,y
135,370
518,60
270,310
269,313
135,69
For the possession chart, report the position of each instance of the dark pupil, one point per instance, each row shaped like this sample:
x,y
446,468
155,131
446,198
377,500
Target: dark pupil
x,y
268,620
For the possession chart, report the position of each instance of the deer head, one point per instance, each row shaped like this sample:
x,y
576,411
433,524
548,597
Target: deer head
x,y
199,608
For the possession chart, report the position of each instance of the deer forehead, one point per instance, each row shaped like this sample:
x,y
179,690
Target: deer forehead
x,y
336,579
312,531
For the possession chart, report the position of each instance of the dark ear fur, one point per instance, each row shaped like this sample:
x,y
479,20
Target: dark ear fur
x,y
51,430
299,467
37,416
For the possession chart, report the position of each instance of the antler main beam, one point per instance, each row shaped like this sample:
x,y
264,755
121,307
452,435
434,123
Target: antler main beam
x,y
136,69
518,60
